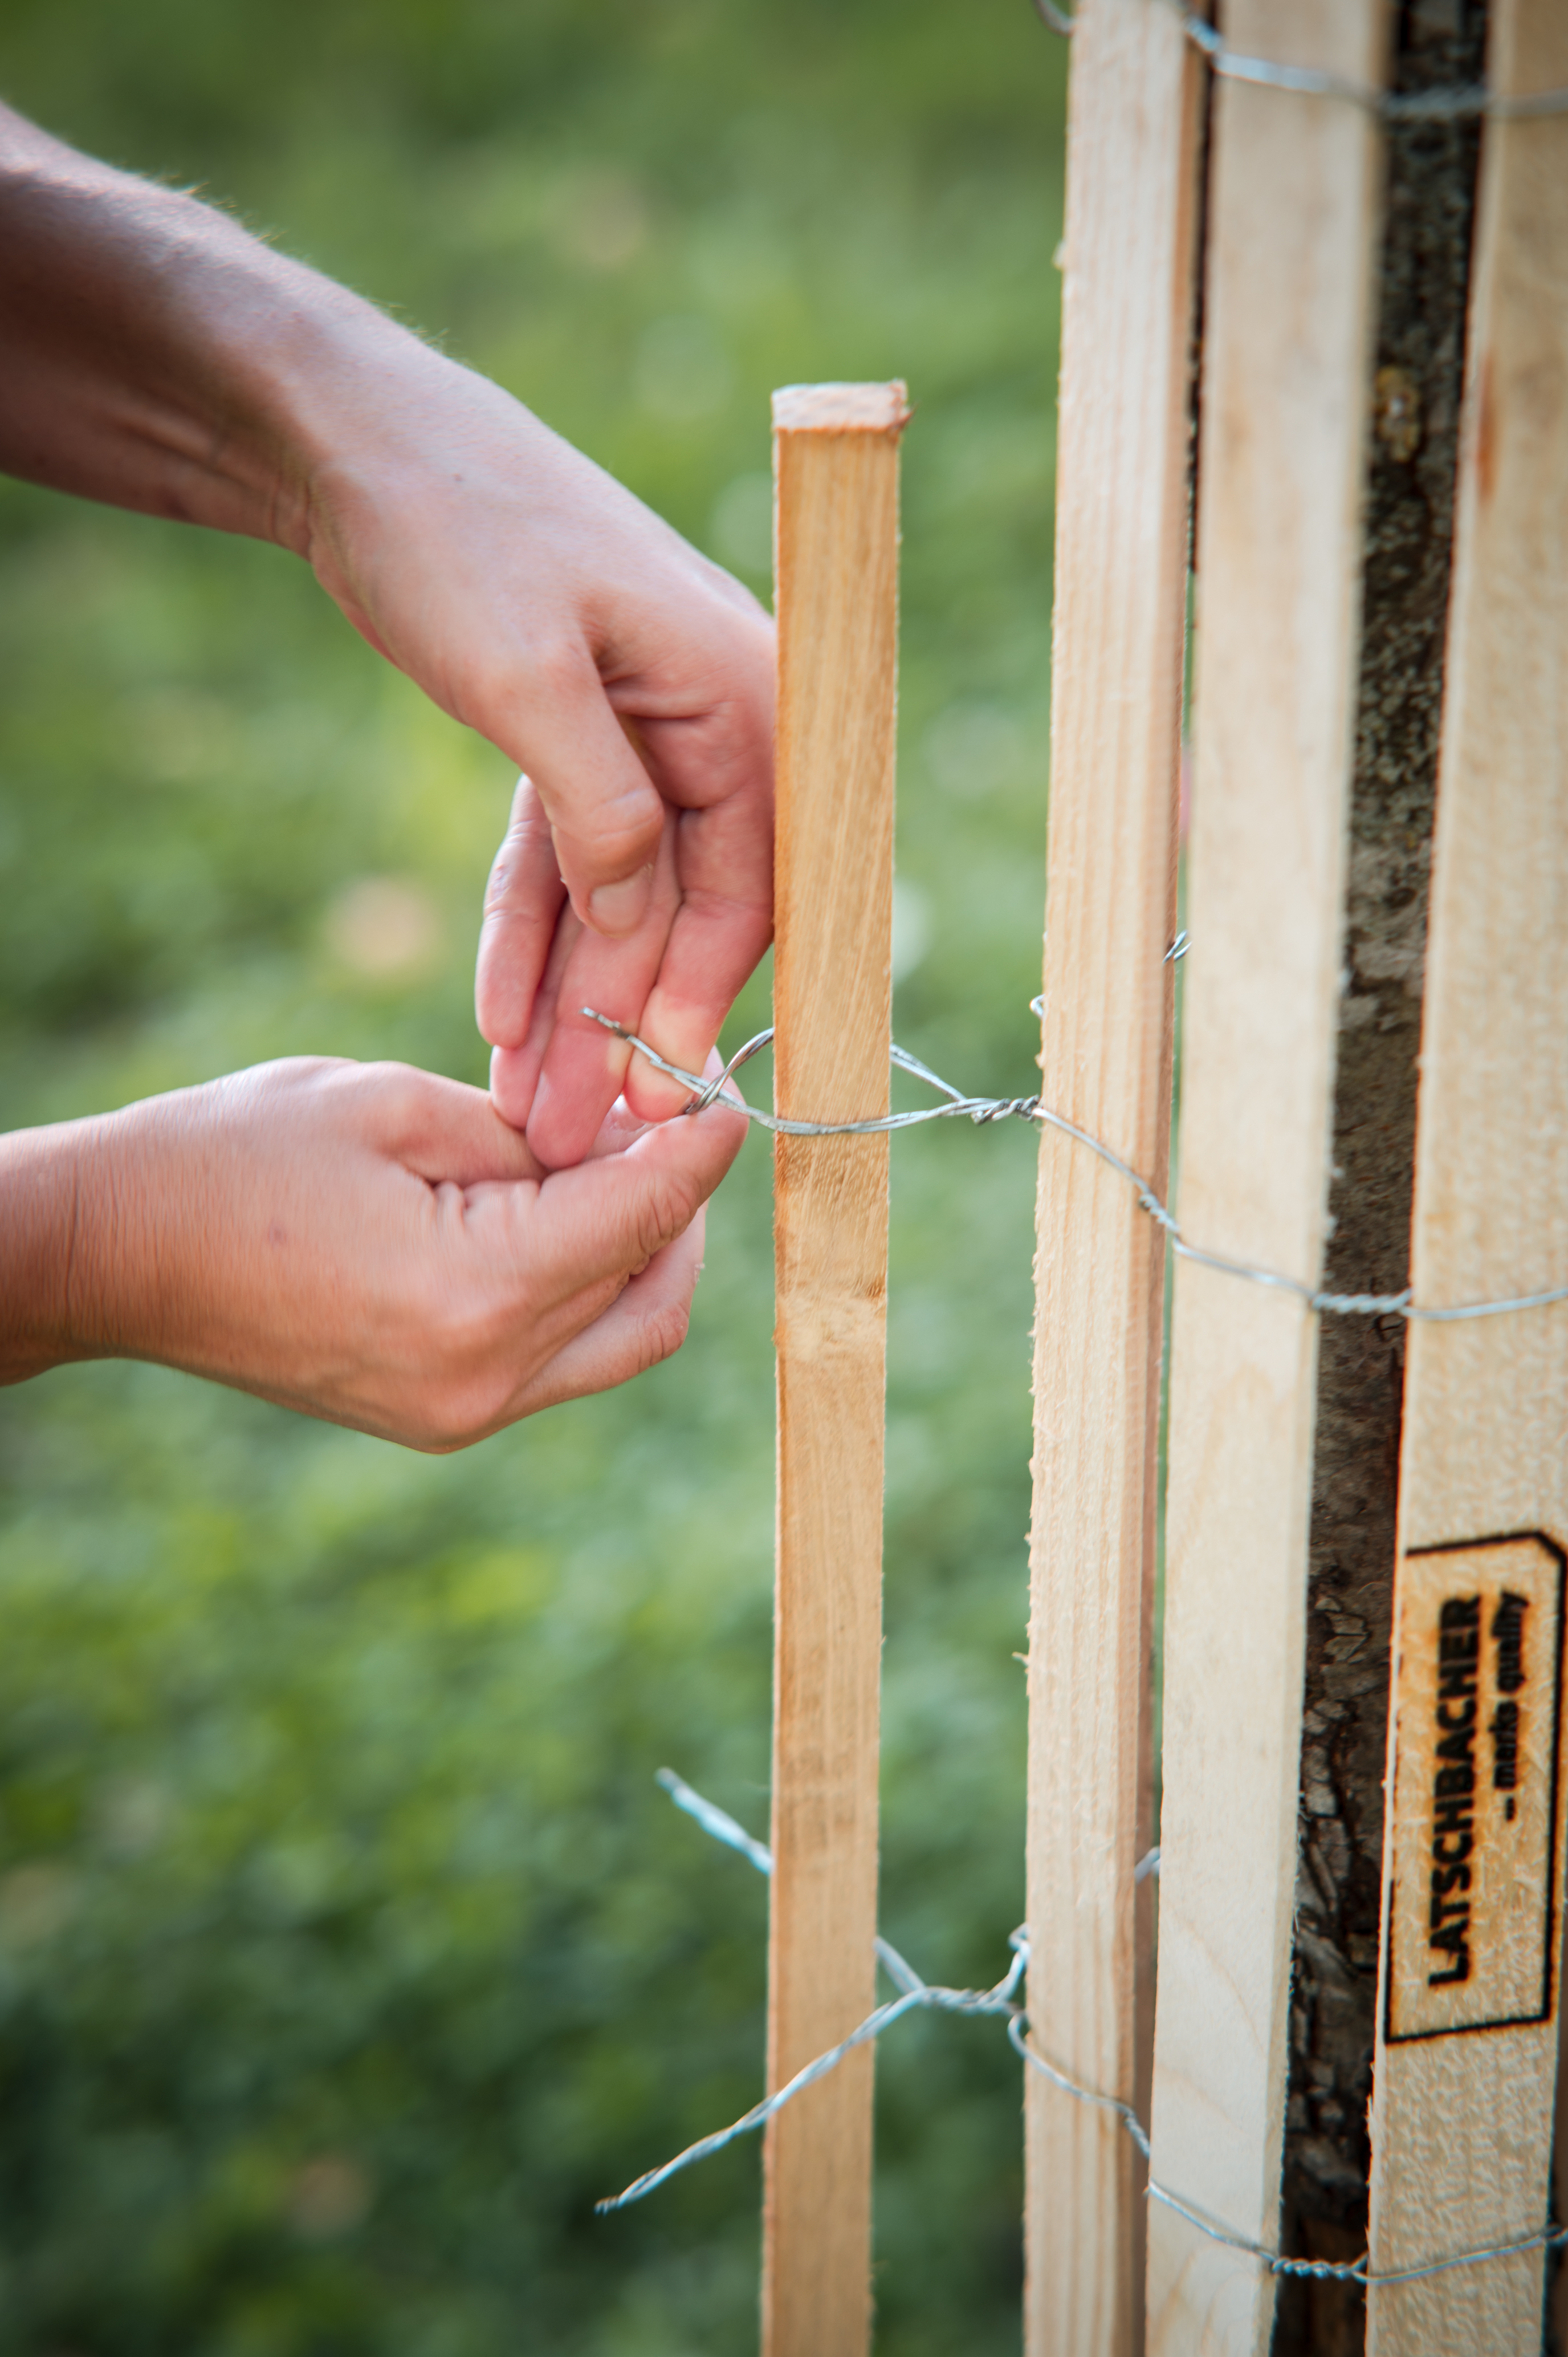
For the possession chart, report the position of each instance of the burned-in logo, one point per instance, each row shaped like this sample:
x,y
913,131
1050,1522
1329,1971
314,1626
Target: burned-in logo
x,y
1475,1810
1454,1784
1507,1634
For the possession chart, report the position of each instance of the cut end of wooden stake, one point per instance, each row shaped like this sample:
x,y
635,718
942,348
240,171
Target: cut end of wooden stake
x,y
841,408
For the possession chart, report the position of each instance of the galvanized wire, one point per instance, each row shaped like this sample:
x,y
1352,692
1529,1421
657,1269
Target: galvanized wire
x,y
988,1109
916,1995
1459,103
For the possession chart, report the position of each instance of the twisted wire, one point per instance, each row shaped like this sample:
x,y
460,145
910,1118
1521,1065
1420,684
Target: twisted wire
x,y
1459,103
916,1995
988,1109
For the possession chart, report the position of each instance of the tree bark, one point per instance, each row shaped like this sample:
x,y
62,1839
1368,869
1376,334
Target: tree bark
x,y
1414,448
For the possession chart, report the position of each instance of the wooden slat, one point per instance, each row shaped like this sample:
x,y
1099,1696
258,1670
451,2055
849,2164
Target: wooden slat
x,y
1421,304
1558,2297
1291,235
1462,2118
836,455
1116,682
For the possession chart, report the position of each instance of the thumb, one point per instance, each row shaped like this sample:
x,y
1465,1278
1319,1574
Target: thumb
x,y
612,1214
606,815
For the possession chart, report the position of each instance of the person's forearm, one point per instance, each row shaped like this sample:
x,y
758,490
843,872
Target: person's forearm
x,y
44,1278
361,1242
159,358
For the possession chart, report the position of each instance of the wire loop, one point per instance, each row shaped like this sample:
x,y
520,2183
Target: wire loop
x,y
981,1110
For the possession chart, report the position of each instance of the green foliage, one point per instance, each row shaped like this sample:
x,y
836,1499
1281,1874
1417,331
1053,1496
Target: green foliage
x,y
348,1951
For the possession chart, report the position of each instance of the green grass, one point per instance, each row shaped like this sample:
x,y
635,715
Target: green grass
x,y
348,1951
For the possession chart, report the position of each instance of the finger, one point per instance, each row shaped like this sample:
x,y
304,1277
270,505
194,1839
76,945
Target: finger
x,y
615,1213
441,1131
718,769
645,1322
514,1072
522,902
722,929
585,1065
606,814
715,764
621,1127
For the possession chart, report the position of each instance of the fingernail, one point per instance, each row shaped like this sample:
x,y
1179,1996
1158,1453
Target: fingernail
x,y
620,907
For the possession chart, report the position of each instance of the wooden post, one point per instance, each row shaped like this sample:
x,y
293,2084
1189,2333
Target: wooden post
x,y
1470,1990
836,459
1556,2270
1116,688
1290,236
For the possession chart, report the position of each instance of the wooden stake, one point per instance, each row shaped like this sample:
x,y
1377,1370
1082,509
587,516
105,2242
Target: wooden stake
x,y
1470,1990
1121,589
1291,235
837,457
1557,2298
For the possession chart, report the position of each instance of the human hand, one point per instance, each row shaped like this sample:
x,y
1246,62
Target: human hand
x,y
537,600
158,356
367,1243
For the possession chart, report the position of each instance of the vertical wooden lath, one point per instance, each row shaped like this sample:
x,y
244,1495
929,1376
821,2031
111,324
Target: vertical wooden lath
x,y
836,454
1116,684
1472,1916
1291,232
1420,304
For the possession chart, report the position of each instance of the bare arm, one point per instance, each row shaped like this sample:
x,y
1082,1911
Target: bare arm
x,y
363,1242
159,358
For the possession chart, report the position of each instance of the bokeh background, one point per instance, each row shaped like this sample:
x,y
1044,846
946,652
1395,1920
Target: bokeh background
x,y
348,1949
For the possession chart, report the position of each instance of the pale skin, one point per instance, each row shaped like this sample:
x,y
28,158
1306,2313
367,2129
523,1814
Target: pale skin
x,y
367,1243
363,1241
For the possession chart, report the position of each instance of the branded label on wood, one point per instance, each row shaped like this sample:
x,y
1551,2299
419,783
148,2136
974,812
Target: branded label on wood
x,y
1473,1905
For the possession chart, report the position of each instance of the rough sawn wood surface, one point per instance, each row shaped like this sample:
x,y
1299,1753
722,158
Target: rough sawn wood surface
x,y
1421,293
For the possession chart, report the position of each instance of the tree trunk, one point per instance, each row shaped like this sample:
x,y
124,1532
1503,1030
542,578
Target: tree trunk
x,y
1410,528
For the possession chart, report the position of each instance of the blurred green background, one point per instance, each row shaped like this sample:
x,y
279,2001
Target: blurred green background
x,y
347,1950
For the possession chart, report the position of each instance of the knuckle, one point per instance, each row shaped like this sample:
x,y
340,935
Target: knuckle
x,y
558,663
667,1212
402,1095
462,1401
663,1335
437,1435
518,852
499,883
613,835
444,1436
549,668
285,1076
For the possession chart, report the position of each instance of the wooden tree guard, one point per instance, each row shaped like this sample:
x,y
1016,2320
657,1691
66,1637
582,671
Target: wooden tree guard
x,y
1422,305
1291,234
1120,589
1473,1863
837,460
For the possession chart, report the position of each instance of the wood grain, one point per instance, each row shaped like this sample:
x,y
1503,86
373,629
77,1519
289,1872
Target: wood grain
x,y
1557,2297
1462,2119
1292,227
836,459
1422,305
1116,686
